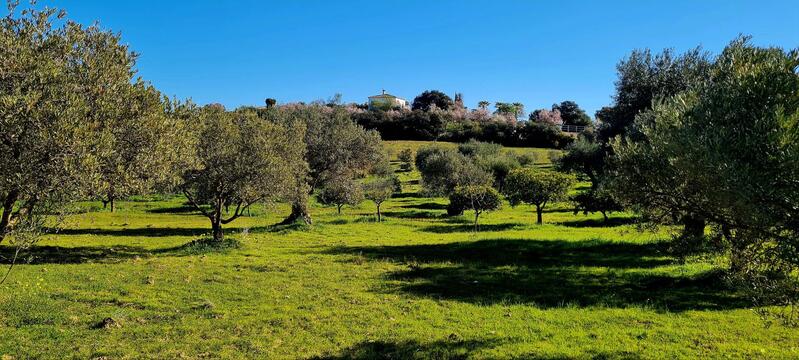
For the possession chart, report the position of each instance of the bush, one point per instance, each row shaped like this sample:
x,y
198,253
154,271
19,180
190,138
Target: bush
x,y
533,134
500,166
474,148
406,158
444,169
529,158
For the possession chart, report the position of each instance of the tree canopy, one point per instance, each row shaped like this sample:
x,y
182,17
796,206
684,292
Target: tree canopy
x,y
426,100
644,77
478,198
443,169
725,150
62,83
537,187
571,113
340,192
240,160
379,190
145,144
335,147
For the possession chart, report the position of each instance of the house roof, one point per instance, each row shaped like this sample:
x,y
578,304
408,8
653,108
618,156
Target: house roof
x,y
386,95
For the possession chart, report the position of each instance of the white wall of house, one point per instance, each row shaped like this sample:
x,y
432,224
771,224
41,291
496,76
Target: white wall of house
x,y
388,100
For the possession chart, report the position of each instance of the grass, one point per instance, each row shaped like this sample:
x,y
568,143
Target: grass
x,y
419,285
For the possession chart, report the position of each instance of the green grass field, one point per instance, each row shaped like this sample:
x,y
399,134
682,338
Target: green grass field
x,y
419,285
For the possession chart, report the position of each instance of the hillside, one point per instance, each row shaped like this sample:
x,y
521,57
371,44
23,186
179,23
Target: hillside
x,y
419,285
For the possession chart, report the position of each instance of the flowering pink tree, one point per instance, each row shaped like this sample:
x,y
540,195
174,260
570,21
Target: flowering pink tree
x,y
547,117
479,115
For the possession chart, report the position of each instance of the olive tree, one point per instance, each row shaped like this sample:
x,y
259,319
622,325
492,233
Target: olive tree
x,y
406,159
240,160
643,77
378,190
727,151
474,148
54,74
145,144
129,116
598,200
444,169
537,187
587,158
335,147
479,198
340,192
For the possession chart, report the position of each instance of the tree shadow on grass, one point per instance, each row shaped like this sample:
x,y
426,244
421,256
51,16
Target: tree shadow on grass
x,y
426,206
452,348
468,226
336,222
107,254
594,223
415,214
593,355
136,232
71,255
548,273
183,209
280,228
407,195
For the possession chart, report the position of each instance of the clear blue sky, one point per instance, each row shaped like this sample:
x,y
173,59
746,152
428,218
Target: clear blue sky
x,y
534,52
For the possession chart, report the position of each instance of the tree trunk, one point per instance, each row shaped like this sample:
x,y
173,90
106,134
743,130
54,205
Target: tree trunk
x,y
604,216
8,208
111,195
476,217
378,213
299,202
338,207
540,214
693,231
694,226
218,234
299,211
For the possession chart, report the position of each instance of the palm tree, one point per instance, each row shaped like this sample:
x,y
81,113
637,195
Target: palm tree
x,y
519,107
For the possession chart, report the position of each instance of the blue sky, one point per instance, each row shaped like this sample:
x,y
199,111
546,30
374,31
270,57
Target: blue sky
x,y
534,52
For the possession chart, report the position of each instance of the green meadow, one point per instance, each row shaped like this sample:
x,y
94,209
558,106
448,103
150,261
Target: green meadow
x,y
419,285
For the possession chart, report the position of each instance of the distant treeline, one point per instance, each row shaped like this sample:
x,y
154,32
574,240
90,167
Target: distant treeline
x,y
435,116
446,126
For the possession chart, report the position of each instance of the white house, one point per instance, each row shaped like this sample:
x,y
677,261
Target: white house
x,y
387,101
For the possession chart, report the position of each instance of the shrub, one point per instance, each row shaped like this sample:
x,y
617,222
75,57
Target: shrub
x,y
474,148
406,158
